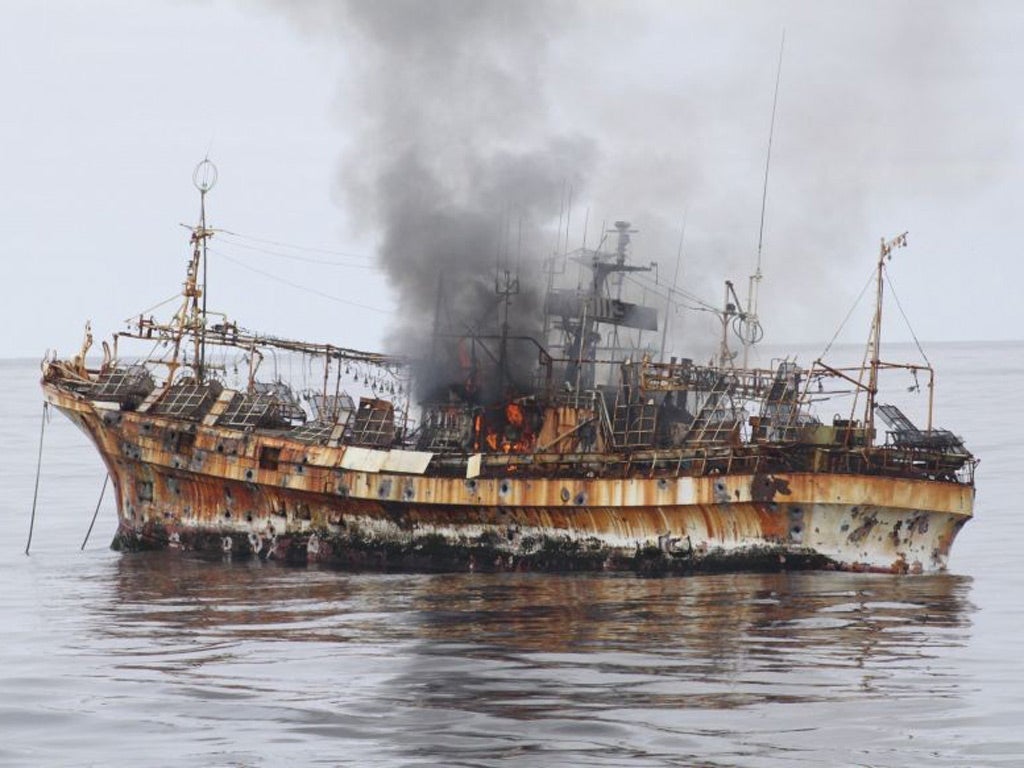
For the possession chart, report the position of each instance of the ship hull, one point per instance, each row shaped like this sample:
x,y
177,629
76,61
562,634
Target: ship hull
x,y
219,495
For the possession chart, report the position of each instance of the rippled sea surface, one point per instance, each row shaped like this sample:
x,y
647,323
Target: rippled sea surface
x,y
162,660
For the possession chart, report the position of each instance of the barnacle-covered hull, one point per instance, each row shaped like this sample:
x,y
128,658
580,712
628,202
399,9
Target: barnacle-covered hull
x,y
202,487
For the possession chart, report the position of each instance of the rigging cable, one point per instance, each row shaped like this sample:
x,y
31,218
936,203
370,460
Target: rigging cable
x,y
308,259
660,291
905,319
297,286
845,319
165,302
280,244
751,297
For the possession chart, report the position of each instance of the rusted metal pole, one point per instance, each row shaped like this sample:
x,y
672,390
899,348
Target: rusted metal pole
x,y
39,466
875,341
103,490
931,395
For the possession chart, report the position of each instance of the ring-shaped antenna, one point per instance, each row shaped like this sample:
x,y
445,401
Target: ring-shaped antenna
x,y
205,176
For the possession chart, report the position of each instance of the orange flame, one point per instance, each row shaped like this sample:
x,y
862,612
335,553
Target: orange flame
x,y
505,429
514,415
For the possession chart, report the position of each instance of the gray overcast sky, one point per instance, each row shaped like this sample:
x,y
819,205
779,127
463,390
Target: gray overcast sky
x,y
892,116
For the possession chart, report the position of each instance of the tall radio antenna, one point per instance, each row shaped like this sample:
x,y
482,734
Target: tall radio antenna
x,y
750,331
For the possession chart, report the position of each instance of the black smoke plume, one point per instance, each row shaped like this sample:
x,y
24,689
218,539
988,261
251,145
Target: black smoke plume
x,y
458,111
457,170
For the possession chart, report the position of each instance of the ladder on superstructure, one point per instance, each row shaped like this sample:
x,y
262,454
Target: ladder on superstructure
x,y
710,426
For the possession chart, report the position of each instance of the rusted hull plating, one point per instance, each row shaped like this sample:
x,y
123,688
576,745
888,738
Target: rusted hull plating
x,y
214,496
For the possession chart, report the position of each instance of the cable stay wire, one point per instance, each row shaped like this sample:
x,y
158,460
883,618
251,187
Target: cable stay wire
x,y
165,302
906,320
294,247
308,259
666,292
297,286
846,319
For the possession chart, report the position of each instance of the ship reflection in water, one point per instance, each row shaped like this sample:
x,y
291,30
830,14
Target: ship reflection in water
x,y
527,669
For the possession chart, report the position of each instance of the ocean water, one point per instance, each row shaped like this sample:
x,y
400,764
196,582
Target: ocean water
x,y
162,660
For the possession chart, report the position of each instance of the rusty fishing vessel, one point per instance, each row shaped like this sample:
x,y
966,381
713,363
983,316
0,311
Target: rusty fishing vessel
x,y
566,452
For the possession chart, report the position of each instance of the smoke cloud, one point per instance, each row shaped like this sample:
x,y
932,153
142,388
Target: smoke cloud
x,y
469,119
457,169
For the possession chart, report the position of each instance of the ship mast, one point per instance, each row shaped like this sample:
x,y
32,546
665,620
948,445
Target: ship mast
x,y
582,310
875,338
505,288
622,231
204,177
191,316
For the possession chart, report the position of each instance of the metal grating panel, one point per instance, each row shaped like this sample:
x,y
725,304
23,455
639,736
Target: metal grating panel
x,y
252,411
718,416
187,401
634,424
319,434
446,428
332,409
780,410
905,435
287,404
128,386
896,419
374,423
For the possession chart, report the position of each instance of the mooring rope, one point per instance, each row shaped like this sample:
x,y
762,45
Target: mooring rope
x,y
103,490
39,466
